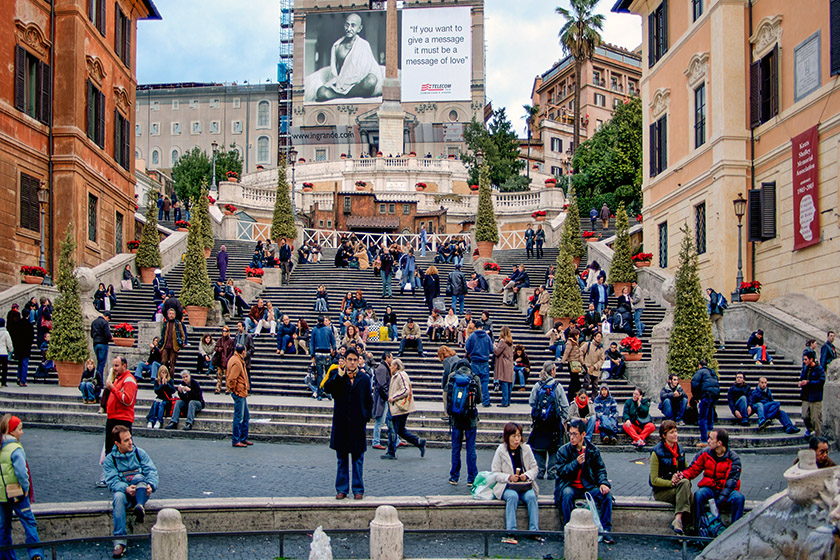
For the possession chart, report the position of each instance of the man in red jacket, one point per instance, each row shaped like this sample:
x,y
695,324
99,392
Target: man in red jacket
x,y
121,401
721,468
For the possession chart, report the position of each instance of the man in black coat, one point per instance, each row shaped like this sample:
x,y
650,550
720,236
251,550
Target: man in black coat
x,y
284,255
456,286
705,389
351,390
100,333
22,334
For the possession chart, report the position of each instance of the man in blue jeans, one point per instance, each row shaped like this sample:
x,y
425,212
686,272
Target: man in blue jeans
x,y
478,349
738,398
321,349
761,399
673,400
463,429
239,386
131,477
705,387
721,468
100,333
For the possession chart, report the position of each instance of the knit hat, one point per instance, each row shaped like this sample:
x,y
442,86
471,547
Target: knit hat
x,y
14,422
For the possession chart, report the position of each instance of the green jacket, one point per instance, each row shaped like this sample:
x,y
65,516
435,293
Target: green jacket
x,y
637,414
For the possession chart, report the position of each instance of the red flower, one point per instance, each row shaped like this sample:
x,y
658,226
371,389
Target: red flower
x,y
642,257
133,244
589,234
473,187
124,330
254,272
230,207
182,224
631,344
491,266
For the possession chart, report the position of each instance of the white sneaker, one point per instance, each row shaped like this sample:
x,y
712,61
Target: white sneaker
x,y
157,425
315,395
148,424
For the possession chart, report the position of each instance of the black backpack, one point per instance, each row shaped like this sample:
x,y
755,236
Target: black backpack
x,y
544,411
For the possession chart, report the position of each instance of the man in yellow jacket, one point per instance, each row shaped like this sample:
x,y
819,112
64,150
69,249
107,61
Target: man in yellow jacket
x,y
238,386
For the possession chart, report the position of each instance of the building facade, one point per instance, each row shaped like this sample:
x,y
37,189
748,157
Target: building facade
x,y
371,213
740,98
609,78
172,119
67,94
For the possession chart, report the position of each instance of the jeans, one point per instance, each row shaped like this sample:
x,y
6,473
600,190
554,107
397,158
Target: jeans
x,y
459,300
506,388
529,250
742,406
404,341
23,370
512,498
540,456
250,325
482,370
386,283
590,426
706,416
342,473
240,418
285,343
377,426
539,249
604,502
88,390
123,501
615,371
458,437
756,353
704,494
156,411
608,426
321,305
558,348
23,510
193,408
101,351
519,375
673,409
599,307
771,410
637,321
322,363
408,278
143,368
397,431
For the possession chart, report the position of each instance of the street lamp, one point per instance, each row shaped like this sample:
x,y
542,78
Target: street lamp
x,y
740,205
293,154
479,158
214,188
43,199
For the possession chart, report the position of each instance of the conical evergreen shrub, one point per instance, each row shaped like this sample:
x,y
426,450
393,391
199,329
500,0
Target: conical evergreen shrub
x,y
571,232
283,221
197,289
200,218
148,252
485,220
621,267
691,337
68,341
566,300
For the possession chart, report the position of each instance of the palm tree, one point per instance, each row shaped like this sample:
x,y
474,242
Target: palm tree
x,y
530,116
579,37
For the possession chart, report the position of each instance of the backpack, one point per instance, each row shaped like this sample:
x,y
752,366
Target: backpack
x,y
461,395
710,525
545,405
722,303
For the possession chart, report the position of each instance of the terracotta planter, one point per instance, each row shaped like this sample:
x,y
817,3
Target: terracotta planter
x,y
420,189
619,286
485,249
255,280
686,386
228,213
550,184
182,229
196,315
632,356
576,262
69,373
132,251
473,190
126,342
307,189
750,297
491,272
207,251
539,218
591,239
361,188
33,279
641,264
147,274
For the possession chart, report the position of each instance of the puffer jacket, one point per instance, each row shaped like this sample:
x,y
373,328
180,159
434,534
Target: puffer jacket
x,y
721,474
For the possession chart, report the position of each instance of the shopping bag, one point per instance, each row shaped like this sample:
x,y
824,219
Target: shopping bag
x,y
398,274
383,334
482,488
439,303
593,509
125,285
538,320
408,286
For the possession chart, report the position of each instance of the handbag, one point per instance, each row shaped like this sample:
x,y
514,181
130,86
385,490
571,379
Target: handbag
x,y
46,323
576,367
14,491
398,274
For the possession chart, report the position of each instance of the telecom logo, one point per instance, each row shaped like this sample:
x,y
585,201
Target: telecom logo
x,y
435,88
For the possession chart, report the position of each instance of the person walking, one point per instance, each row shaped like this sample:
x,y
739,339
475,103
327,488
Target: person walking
x,y
717,307
573,357
637,301
223,351
478,349
17,494
705,389
121,391
350,388
503,352
381,385
222,259
456,287
100,333
239,386
431,287
516,470
386,272
539,239
408,267
605,216
6,349
593,217
400,405
550,413
423,240
529,242
171,339
828,353
811,384
462,393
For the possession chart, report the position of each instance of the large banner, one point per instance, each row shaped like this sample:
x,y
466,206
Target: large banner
x,y
436,54
806,197
344,57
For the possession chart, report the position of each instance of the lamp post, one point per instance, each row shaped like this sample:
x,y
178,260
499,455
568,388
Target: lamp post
x,y
479,158
293,154
214,188
740,205
43,199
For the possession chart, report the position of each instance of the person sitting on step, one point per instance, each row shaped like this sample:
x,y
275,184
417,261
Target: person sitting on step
x,y
757,347
410,336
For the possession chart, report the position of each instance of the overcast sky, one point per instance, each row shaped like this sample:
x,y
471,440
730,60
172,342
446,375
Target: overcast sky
x,y
224,41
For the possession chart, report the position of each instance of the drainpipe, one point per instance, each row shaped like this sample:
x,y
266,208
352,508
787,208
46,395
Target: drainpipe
x,y
50,148
752,151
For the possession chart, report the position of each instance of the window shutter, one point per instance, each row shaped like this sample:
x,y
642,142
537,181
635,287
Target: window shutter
x,y
774,83
100,119
755,94
25,201
652,38
117,137
34,205
754,214
100,23
834,34
117,30
654,155
126,145
663,144
127,40
44,92
20,78
768,210
663,35
90,111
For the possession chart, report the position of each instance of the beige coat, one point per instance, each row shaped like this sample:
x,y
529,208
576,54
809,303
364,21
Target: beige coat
x,y
544,300
593,357
361,254
503,467
504,362
400,391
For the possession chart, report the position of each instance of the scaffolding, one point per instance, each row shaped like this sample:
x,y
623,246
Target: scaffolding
x,y
284,75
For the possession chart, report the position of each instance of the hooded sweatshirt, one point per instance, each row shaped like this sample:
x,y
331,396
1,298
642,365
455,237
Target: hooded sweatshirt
x,y
606,406
479,346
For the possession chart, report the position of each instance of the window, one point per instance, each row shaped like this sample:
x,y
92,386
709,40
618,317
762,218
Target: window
x,y
347,204
556,145
382,208
556,171
696,9
406,209
118,233
764,88
193,103
32,85
175,156
176,129
138,129
238,150
93,210
453,116
320,223
321,154
658,33
214,127
29,209
154,129
263,150
236,102
195,127
700,115
700,228
761,212
598,124
215,103
321,118
263,114
95,115
154,106
392,208
96,14
122,36
155,157
834,36
663,245
122,140
176,105
616,102
329,223
658,146
236,127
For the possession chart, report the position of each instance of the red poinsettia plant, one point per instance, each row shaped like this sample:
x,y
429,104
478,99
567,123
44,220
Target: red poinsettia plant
x,y
124,330
473,187
254,272
182,224
211,199
230,207
750,287
232,175
308,185
551,180
361,184
579,321
420,185
33,271
639,218
631,344
590,235
538,214
642,257
491,266
132,245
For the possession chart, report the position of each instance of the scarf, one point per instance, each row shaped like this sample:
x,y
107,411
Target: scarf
x,y
582,402
674,451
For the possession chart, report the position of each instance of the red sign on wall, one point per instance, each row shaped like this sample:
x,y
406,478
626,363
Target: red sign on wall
x,y
806,196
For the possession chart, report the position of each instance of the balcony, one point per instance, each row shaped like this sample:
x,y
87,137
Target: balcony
x,y
599,83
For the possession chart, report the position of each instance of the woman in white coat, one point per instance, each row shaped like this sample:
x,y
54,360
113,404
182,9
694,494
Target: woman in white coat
x,y
515,469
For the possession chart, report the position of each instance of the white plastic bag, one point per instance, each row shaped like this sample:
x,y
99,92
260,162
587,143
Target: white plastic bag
x,y
590,504
398,274
482,488
408,286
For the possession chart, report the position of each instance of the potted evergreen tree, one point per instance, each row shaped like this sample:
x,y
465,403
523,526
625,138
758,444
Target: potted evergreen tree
x,y
283,221
148,252
197,293
486,230
200,219
622,271
691,336
566,301
68,342
571,232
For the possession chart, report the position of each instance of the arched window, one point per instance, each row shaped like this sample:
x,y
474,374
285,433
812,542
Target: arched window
x,y
155,157
175,155
238,150
138,154
263,149
263,114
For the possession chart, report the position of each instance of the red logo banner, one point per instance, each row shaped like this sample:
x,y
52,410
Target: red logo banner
x,y
806,196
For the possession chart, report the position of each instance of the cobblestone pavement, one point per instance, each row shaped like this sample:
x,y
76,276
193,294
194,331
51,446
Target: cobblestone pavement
x,y
213,468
